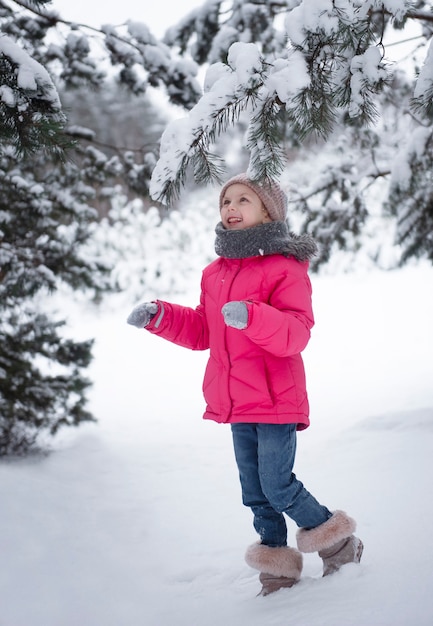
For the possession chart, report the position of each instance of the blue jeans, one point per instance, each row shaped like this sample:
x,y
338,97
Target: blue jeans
x,y
265,455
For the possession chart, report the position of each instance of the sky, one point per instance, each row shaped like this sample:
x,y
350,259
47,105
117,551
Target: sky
x,y
154,14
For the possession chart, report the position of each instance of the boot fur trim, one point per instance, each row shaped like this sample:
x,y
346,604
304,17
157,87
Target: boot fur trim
x,y
280,561
338,527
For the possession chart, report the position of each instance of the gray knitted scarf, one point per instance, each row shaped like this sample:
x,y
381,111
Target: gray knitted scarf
x,y
261,240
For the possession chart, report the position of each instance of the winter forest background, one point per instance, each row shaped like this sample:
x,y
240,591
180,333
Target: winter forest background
x,y
113,141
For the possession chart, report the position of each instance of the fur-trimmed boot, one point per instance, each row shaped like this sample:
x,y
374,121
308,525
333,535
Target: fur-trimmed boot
x,y
279,567
334,541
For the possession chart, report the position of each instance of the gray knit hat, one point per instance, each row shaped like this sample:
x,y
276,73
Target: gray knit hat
x,y
271,194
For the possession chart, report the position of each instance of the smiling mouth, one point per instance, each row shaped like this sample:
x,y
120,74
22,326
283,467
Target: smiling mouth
x,y
234,220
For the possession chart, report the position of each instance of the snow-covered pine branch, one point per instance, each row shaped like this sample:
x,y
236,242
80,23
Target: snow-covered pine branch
x,y
423,93
411,195
342,70
30,75
30,110
229,90
246,82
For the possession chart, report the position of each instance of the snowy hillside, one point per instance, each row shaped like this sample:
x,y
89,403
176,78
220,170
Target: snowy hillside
x,y
138,521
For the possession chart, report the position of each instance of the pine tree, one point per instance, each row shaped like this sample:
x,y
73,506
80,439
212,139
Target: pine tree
x,y
53,174
43,231
56,168
31,117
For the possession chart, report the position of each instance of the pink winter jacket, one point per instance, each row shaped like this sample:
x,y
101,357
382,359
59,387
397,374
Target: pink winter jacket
x,y
255,374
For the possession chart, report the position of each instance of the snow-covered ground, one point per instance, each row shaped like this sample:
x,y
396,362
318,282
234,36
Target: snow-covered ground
x,y
138,521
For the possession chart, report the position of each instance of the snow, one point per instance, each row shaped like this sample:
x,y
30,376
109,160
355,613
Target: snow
x,y
366,70
425,78
412,151
311,15
245,59
7,95
141,32
138,520
397,8
31,75
288,76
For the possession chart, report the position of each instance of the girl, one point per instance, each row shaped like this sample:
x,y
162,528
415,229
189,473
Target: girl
x,y
255,316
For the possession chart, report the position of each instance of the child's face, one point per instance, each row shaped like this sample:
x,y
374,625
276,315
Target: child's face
x,y
242,208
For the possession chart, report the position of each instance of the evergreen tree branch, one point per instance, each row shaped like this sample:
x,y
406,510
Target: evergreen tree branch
x,y
422,16
176,155
125,51
267,158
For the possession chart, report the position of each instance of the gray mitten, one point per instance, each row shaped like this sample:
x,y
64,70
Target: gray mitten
x,y
235,314
142,314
